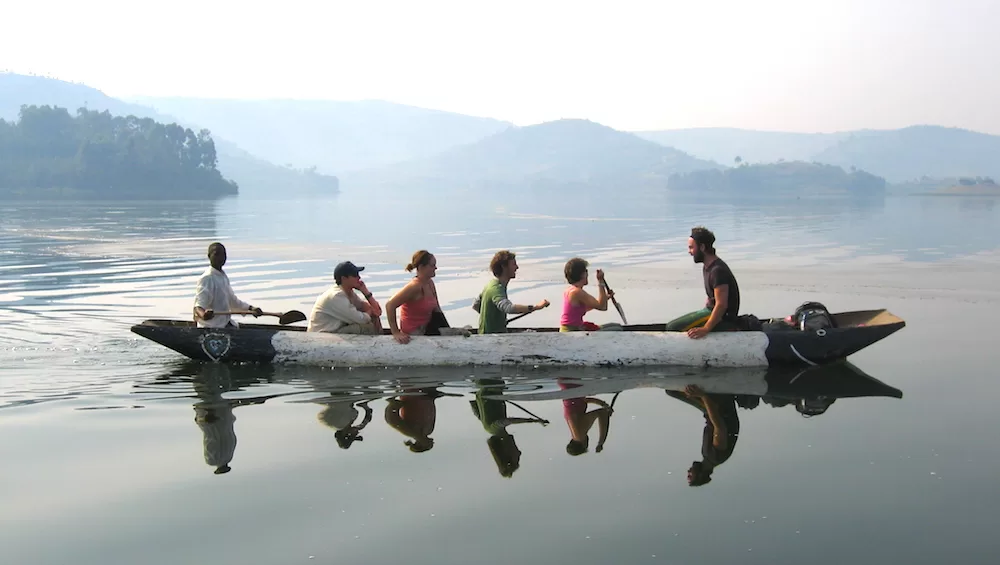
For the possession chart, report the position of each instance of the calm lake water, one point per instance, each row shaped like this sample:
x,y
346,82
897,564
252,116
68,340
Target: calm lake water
x,y
112,446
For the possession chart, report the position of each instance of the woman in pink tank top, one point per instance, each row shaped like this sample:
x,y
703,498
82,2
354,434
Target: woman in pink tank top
x,y
576,301
417,301
580,421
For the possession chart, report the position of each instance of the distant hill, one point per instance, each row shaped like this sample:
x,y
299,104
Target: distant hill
x,y
897,155
18,90
331,135
910,153
792,178
559,153
254,175
725,144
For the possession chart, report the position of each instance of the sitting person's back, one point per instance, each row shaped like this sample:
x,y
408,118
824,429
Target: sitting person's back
x,y
340,310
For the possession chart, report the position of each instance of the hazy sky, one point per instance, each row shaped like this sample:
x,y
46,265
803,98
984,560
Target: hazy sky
x,y
802,65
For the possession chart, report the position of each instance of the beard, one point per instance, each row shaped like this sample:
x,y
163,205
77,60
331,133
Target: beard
x,y
699,256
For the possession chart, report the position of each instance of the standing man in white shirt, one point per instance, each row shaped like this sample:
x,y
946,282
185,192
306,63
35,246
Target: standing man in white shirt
x,y
341,310
215,294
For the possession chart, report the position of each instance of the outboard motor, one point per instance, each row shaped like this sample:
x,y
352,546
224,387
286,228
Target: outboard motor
x,y
811,316
810,407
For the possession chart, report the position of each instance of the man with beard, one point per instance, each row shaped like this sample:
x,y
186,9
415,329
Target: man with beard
x,y
723,304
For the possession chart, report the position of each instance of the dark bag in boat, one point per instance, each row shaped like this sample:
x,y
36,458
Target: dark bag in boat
x,y
748,323
812,316
436,322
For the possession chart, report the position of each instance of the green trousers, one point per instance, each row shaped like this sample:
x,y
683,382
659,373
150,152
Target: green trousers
x,y
697,319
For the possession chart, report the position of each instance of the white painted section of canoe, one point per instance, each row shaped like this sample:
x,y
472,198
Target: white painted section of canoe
x,y
749,381
729,349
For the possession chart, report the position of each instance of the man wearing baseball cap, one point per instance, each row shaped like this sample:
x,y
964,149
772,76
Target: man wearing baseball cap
x,y
341,310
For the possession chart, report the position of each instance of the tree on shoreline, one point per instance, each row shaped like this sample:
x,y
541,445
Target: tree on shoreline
x,y
97,154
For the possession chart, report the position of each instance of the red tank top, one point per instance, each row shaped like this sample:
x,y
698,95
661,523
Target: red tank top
x,y
416,313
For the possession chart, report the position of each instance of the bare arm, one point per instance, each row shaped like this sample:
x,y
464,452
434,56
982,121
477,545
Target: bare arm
x,y
583,297
372,306
721,304
406,294
719,437
368,415
506,306
603,424
718,312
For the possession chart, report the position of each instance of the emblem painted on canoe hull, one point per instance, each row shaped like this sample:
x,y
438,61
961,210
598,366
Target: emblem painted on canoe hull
x,y
215,345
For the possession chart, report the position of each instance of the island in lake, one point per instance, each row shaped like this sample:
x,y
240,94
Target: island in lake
x,y
48,153
784,178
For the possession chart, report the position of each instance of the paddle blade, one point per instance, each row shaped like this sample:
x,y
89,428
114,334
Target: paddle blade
x,y
621,312
291,317
615,302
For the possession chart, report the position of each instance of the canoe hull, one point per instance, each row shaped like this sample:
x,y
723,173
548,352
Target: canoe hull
x,y
638,346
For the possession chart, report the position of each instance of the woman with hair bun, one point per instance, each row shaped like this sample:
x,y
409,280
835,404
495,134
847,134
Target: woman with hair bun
x,y
417,300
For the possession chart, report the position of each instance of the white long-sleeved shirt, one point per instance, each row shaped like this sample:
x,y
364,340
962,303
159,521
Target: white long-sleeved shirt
x,y
216,423
333,310
215,293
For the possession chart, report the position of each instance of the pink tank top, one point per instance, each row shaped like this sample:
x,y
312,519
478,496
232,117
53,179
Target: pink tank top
x,y
415,314
573,407
572,314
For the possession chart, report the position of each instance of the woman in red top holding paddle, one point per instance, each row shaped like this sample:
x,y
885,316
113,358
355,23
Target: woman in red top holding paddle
x,y
417,300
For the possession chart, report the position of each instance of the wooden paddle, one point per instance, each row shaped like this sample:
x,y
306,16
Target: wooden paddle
x,y
615,302
543,421
518,317
289,317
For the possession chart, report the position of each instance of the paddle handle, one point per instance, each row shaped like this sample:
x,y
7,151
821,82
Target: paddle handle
x,y
615,302
518,317
248,313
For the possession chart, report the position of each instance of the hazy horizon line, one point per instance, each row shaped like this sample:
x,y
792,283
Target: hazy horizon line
x,y
133,97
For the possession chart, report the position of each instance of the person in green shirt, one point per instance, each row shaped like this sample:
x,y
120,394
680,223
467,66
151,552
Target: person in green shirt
x,y
492,413
492,304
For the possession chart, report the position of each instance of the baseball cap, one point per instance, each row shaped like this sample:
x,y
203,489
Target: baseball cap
x,y
346,269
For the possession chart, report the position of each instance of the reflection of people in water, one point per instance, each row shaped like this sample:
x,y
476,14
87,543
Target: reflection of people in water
x,y
214,414
216,422
492,413
580,421
414,415
340,414
722,429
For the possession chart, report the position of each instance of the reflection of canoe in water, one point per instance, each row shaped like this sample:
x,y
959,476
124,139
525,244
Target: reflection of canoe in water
x,y
637,345
776,385
835,380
